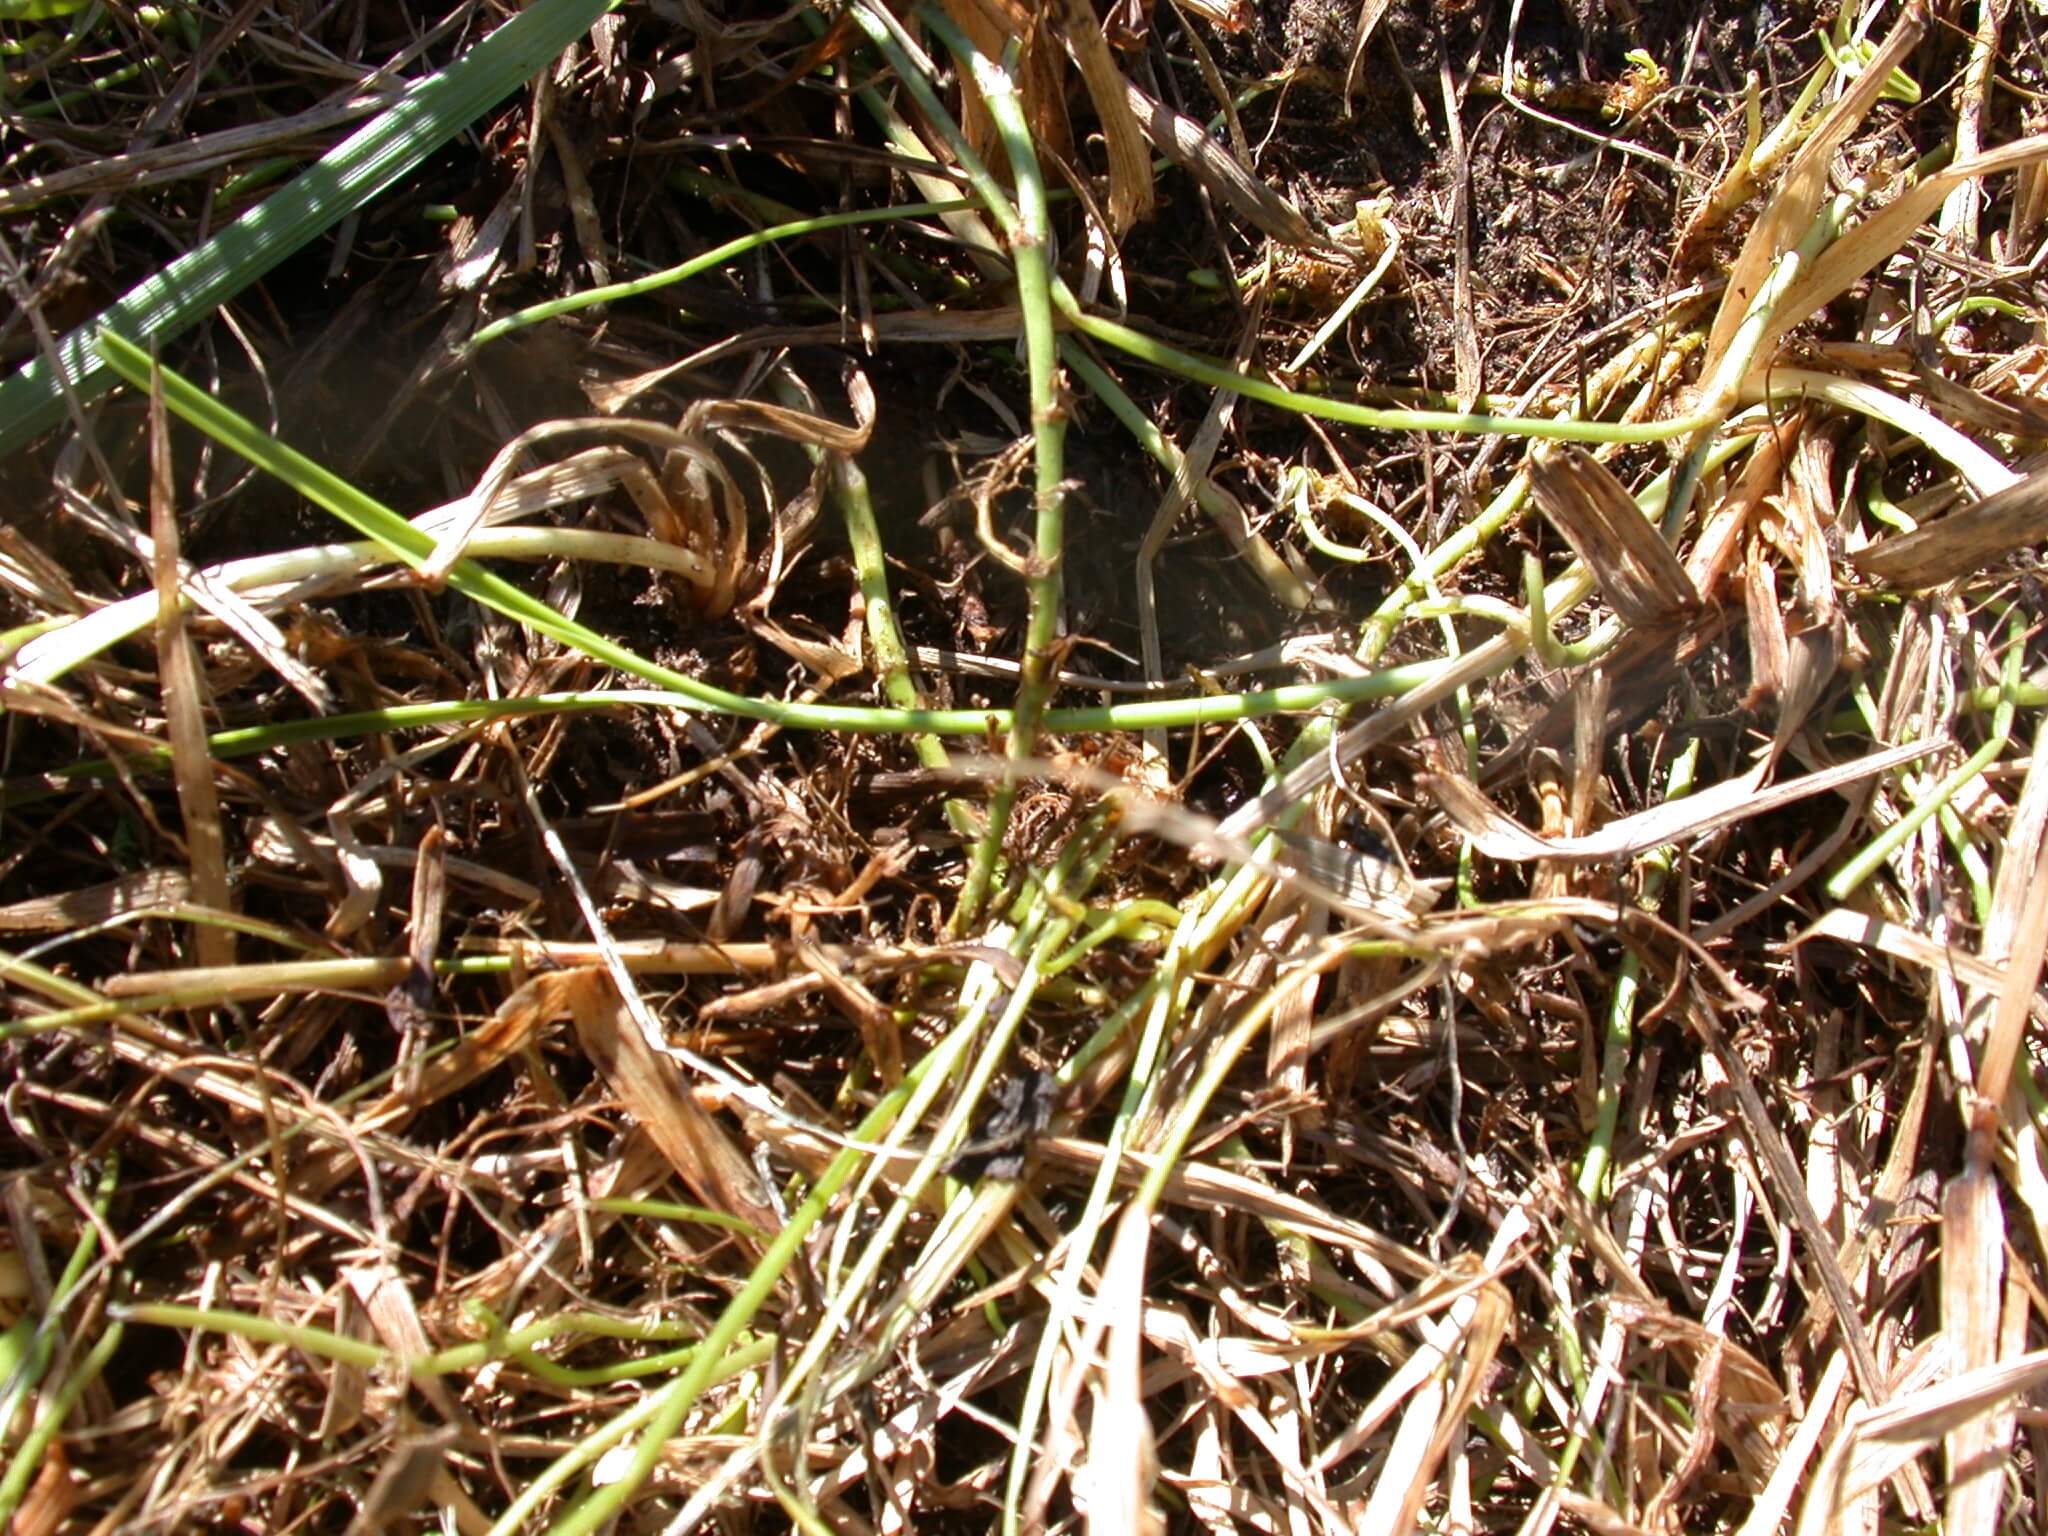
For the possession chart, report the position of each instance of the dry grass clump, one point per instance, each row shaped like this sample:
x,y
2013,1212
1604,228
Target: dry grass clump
x,y
1020,767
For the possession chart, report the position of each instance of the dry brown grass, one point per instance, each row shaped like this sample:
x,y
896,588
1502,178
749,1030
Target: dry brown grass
x,y
1590,1085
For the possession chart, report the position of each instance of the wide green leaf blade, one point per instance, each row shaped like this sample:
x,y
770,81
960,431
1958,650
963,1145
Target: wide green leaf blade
x,y
431,113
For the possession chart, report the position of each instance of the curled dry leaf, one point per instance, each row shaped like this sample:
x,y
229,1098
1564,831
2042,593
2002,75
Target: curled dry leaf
x,y
1751,1402
1130,168
690,502
1229,15
1713,550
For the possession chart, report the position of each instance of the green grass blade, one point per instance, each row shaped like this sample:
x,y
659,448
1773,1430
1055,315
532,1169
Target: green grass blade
x,y
347,176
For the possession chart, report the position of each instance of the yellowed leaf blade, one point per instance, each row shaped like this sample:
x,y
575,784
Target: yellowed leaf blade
x,y
1920,1415
1884,233
184,695
1486,1325
1228,15
1767,1514
2017,992
387,1302
1369,14
1972,1282
979,23
2014,937
1872,1446
1865,931
1123,1460
1792,206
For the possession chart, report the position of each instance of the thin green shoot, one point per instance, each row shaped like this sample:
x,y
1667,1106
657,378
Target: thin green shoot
x,y
41,1347
717,257
1879,850
675,1400
1142,714
30,1455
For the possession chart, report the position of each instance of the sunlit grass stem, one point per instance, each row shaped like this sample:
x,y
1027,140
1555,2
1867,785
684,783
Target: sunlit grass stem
x,y
1028,229
718,256
1168,714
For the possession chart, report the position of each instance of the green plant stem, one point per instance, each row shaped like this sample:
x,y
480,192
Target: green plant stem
x,y
35,1445
676,1399
1213,913
70,100
1983,471
558,1472
871,570
717,257
1165,1156
1616,1044
1211,709
1155,1002
1568,590
1272,571
323,1343
885,635
518,1344
68,642
415,547
565,1467
1656,867
27,1459
1220,375
1970,860
1719,395
1028,240
951,1056
670,1210
1041,928
914,72
1866,862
